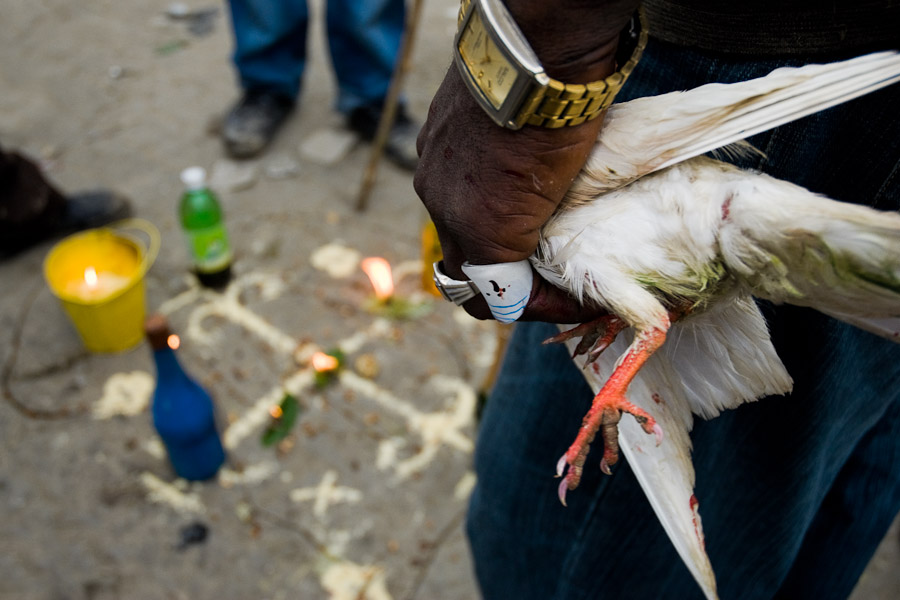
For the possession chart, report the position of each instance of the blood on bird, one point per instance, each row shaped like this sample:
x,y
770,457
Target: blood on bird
x,y
726,207
695,509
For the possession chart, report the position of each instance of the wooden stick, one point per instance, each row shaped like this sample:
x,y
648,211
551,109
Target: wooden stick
x,y
389,110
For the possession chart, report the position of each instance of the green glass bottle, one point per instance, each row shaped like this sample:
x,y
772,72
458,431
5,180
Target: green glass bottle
x,y
203,224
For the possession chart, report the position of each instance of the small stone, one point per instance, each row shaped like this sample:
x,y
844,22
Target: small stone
x,y
194,533
50,152
265,247
115,72
286,445
282,166
337,260
232,176
244,511
202,22
367,366
327,147
178,10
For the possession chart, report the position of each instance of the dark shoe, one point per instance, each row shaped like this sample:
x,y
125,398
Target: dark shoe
x,y
253,122
94,208
400,146
84,210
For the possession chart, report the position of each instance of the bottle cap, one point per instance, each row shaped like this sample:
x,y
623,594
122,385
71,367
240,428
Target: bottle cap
x,y
194,178
156,327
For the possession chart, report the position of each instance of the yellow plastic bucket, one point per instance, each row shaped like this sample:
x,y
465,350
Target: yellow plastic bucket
x,y
98,276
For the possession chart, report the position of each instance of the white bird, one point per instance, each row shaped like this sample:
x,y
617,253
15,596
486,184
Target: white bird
x,y
675,246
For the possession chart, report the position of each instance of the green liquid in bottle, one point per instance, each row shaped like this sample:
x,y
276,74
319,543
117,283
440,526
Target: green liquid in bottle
x,y
204,228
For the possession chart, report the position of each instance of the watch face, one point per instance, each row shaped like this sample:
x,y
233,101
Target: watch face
x,y
491,71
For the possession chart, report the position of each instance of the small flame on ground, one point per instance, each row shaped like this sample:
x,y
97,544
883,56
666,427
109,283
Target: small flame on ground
x,y
322,362
90,276
173,341
379,272
276,411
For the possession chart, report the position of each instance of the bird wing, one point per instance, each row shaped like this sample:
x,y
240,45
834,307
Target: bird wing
x,y
785,95
648,134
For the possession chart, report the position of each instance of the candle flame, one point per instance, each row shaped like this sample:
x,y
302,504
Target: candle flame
x,y
90,276
322,362
379,272
173,341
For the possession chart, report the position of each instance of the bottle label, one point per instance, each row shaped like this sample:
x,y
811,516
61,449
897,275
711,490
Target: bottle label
x,y
209,248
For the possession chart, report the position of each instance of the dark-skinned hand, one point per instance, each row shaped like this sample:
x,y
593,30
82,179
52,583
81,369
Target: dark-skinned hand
x,y
488,189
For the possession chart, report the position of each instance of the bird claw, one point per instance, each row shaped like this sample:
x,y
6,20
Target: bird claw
x,y
658,432
577,331
606,423
596,336
563,488
561,465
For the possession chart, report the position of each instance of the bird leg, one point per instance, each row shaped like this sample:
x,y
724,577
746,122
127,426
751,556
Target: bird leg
x,y
596,336
606,410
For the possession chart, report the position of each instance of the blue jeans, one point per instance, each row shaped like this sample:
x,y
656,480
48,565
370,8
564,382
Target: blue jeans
x,y
795,492
363,36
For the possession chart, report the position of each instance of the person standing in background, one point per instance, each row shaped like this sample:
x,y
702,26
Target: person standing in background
x,y
364,38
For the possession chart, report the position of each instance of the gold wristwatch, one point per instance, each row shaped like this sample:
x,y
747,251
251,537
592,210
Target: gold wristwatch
x,y
507,79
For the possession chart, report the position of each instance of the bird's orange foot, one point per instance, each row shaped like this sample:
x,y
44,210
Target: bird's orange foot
x,y
596,336
604,415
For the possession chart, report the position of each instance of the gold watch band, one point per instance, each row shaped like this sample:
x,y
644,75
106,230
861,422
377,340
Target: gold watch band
x,y
567,104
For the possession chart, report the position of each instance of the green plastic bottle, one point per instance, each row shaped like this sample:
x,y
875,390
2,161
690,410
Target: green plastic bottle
x,y
203,224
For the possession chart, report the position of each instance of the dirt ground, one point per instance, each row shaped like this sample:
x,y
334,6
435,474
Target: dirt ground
x,y
365,499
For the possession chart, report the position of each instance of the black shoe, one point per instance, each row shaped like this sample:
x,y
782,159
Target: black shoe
x,y
84,210
253,122
94,208
400,146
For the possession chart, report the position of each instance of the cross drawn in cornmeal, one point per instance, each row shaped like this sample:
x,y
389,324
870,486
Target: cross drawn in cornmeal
x,y
442,427
326,493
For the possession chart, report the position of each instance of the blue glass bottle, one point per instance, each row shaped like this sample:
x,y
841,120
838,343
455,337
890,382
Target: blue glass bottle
x,y
183,412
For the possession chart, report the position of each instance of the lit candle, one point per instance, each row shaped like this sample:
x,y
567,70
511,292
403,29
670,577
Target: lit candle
x,y
90,277
379,272
322,362
173,342
385,303
326,366
96,285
